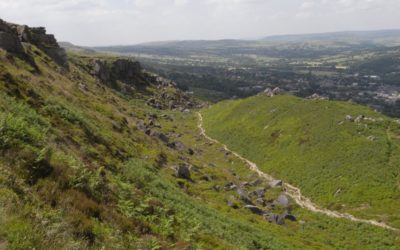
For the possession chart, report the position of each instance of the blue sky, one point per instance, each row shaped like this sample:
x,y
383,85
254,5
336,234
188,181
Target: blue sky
x,y
112,22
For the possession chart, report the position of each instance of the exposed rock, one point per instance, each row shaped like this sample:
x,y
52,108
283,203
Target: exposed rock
x,y
290,217
359,118
272,92
230,186
14,36
275,218
232,202
276,183
217,188
349,118
206,177
260,201
255,182
282,200
338,191
177,146
183,172
125,70
9,40
317,97
259,192
140,124
254,209
243,196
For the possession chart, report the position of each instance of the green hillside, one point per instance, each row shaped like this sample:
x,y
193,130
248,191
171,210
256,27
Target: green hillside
x,y
96,153
341,162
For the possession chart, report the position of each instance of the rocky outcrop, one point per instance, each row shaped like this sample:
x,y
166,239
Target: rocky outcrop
x,y
123,74
271,92
9,40
13,37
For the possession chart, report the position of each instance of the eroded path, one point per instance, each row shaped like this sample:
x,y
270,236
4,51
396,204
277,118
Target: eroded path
x,y
292,191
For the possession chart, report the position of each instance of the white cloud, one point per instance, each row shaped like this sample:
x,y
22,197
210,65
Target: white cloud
x,y
95,22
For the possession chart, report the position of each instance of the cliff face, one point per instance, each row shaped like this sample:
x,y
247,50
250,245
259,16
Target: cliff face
x,y
13,37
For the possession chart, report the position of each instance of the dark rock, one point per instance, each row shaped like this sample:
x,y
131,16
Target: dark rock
x,y
10,42
259,192
254,209
124,70
255,182
290,217
177,146
206,178
183,172
243,196
275,219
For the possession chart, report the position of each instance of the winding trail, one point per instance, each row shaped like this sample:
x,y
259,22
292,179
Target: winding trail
x,y
292,191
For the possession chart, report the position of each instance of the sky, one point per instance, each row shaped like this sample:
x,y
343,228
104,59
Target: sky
x,y
123,22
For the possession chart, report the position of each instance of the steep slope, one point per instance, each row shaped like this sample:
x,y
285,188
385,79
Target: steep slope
x,y
102,155
343,156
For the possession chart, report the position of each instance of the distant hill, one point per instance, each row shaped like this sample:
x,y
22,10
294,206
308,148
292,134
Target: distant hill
x,y
75,48
336,36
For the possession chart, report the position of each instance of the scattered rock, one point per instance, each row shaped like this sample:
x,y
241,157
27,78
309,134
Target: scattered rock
x,y
230,186
243,196
217,188
359,118
206,177
140,124
276,183
317,97
255,182
275,218
282,200
232,202
177,146
349,118
272,92
259,192
254,209
338,191
290,217
83,87
260,201
183,172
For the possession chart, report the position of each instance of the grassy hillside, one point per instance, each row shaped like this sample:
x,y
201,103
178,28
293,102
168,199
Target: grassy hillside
x,y
350,165
90,164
